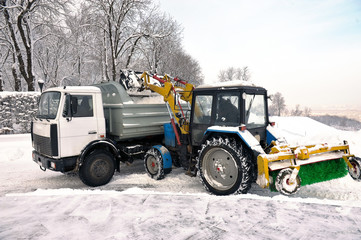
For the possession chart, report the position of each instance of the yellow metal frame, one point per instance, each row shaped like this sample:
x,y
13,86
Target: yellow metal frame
x,y
169,92
293,154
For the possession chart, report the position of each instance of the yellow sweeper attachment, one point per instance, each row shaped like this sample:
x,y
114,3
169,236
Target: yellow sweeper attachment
x,y
286,168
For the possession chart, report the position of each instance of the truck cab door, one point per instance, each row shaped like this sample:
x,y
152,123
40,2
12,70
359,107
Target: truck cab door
x,y
78,124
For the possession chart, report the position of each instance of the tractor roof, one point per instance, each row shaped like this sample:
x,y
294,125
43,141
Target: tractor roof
x,y
228,85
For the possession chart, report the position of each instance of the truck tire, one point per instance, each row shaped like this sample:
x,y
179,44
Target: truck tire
x,y
224,168
355,173
283,185
97,169
153,163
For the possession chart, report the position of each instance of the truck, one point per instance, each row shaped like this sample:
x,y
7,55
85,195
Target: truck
x,y
91,129
224,136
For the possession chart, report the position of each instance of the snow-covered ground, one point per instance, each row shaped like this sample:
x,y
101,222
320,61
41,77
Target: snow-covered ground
x,y
51,205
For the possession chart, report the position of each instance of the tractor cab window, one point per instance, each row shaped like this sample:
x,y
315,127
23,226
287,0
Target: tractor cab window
x,y
228,111
255,111
203,109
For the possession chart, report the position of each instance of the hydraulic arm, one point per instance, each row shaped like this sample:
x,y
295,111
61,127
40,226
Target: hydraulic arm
x,y
171,95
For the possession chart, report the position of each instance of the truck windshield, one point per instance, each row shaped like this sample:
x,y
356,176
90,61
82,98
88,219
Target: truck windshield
x,y
48,105
255,111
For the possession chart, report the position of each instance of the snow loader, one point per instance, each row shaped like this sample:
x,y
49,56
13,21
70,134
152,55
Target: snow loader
x,y
227,136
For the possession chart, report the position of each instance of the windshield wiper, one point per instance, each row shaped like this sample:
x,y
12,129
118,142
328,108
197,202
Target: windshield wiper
x,y
46,117
38,117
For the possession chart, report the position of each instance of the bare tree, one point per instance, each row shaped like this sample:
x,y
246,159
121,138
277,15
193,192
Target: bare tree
x,y
246,75
20,19
163,37
19,12
53,60
297,111
118,22
182,65
157,48
46,40
1,74
86,46
307,111
17,80
278,105
3,57
232,74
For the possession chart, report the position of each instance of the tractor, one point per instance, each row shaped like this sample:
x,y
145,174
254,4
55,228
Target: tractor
x,y
223,131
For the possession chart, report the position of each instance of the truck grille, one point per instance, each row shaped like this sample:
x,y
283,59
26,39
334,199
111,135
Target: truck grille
x,y
45,145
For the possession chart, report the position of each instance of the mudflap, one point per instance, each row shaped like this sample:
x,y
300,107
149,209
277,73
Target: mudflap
x,y
167,158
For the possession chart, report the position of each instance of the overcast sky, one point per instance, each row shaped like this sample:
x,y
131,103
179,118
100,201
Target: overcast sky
x,y
309,50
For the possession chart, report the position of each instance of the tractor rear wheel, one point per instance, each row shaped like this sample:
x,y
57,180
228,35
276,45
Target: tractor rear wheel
x,y
355,173
223,167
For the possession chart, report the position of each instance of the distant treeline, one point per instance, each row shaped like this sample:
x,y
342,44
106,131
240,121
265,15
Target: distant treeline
x,y
338,122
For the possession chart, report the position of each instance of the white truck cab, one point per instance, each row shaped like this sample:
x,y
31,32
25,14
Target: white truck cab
x,y
65,132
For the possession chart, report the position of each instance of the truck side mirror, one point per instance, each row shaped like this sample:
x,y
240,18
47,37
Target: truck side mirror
x,y
66,109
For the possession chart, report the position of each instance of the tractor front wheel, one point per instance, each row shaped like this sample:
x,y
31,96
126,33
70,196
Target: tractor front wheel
x,y
153,163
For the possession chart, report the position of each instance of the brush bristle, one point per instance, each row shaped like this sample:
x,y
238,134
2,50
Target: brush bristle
x,y
318,172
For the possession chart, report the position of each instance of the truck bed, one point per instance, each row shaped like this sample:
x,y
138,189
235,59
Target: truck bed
x,y
126,121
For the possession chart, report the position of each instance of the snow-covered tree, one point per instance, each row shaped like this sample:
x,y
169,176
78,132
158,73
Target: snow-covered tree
x,y
162,52
54,41
297,111
278,105
17,16
232,74
307,111
21,19
118,22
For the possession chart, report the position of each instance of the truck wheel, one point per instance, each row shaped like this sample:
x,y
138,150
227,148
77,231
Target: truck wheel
x,y
97,169
223,167
153,163
283,184
355,173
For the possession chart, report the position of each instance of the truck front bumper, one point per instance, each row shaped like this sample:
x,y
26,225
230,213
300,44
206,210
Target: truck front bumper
x,y
59,165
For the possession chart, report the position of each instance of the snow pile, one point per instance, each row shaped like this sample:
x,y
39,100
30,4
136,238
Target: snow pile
x,y
234,83
51,205
147,98
306,131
